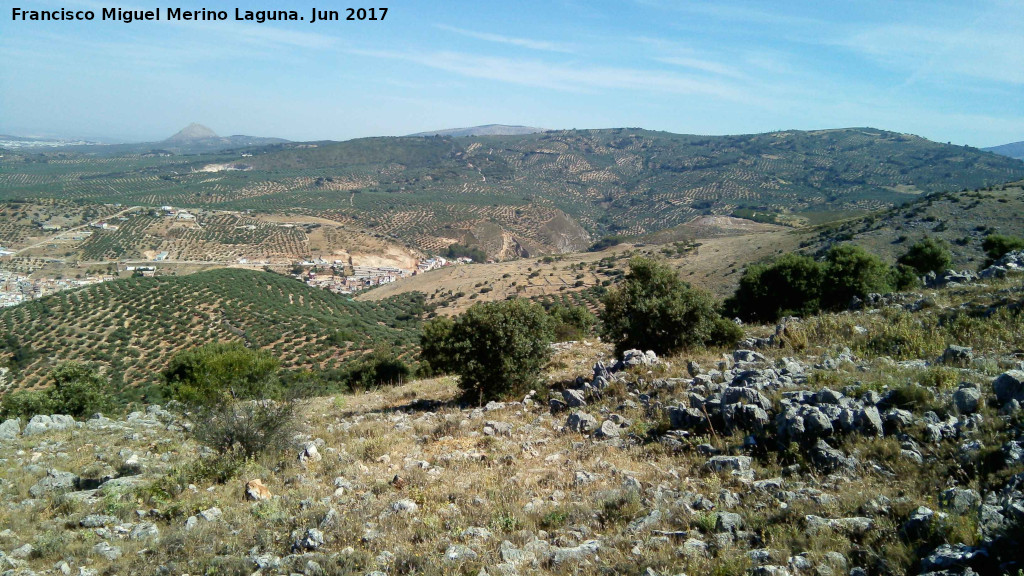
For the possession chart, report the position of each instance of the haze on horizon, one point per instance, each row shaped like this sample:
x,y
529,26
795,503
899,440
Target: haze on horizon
x,y
945,70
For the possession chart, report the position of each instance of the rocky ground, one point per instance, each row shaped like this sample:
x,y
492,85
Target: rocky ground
x,y
884,440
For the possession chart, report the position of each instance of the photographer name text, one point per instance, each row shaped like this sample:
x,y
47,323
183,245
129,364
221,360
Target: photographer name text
x,y
181,15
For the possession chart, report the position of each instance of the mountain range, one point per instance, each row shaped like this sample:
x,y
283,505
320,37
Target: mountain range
x,y
485,130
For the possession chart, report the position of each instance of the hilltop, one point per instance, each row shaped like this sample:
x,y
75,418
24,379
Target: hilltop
x,y
191,133
1013,150
485,130
133,326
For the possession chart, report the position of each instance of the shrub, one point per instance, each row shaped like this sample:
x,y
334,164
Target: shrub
x,y
998,245
78,390
653,309
927,255
903,277
380,367
496,348
217,373
789,286
571,322
247,428
795,284
25,403
851,271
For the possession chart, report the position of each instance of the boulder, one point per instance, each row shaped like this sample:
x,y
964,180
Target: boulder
x,y
574,398
957,356
608,429
830,459
577,554
311,539
1009,386
955,556
41,424
967,398
728,522
960,500
309,453
10,429
581,422
55,481
735,465
459,553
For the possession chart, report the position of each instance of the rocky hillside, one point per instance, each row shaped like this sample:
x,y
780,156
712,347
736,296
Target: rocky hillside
x,y
962,219
885,440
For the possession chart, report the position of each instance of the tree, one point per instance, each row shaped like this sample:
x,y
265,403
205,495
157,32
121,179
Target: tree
x,y
791,285
927,255
219,372
998,245
436,354
653,309
79,390
497,348
851,271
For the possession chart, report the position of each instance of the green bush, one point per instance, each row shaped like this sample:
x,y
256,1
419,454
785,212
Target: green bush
x,y
240,407
381,367
851,271
998,245
25,404
796,284
78,390
497,348
927,255
571,322
653,309
216,373
790,286
903,277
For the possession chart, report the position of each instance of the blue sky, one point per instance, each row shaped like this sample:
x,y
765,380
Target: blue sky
x,y
948,71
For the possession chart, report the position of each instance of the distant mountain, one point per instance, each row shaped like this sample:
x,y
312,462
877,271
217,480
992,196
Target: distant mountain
x,y
11,141
191,133
1013,150
485,130
198,138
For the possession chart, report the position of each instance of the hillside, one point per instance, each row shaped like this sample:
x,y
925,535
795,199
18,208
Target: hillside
x,y
1013,150
846,443
531,194
137,235
133,326
485,130
962,219
709,258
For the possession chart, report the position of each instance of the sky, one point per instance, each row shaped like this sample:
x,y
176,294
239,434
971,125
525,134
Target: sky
x,y
951,71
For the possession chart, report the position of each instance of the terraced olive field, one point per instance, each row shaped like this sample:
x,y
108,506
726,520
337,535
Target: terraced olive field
x,y
133,326
530,194
215,237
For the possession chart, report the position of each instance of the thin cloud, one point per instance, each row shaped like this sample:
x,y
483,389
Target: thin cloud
x,y
565,77
542,45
